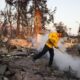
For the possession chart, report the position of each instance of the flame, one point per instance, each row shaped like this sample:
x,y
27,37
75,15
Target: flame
x,y
37,21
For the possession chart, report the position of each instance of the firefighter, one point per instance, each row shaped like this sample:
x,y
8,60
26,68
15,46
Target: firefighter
x,y
52,41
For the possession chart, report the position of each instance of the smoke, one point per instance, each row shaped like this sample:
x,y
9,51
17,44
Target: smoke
x,y
62,60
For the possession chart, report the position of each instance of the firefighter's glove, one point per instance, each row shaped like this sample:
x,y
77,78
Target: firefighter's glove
x,y
57,47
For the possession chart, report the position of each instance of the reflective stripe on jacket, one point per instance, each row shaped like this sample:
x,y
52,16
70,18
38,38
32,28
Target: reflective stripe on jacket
x,y
53,40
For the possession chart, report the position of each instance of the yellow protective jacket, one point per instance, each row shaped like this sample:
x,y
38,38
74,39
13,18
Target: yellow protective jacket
x,y
53,39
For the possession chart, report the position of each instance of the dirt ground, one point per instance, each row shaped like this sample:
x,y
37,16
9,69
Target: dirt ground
x,y
21,67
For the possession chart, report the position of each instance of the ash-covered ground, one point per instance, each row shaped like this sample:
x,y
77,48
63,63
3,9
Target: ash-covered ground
x,y
18,65
21,67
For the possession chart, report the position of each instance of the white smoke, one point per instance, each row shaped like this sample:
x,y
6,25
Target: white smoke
x,y
62,59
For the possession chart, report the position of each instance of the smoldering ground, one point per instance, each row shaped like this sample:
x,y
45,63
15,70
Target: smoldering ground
x,y
62,60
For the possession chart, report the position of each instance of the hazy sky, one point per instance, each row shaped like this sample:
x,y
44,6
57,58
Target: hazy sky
x,y
67,11
2,4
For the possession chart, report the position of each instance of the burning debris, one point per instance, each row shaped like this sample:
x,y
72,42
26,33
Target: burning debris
x,y
20,42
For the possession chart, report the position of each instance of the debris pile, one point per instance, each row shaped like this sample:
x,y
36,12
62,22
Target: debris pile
x,y
15,66
19,42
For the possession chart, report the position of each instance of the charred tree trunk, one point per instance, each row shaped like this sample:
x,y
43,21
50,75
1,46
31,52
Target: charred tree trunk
x,y
10,22
18,21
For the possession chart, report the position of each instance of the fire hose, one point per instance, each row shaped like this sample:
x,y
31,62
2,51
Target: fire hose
x,y
60,50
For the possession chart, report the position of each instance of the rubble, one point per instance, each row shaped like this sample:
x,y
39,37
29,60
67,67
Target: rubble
x,y
18,65
19,42
24,68
2,69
